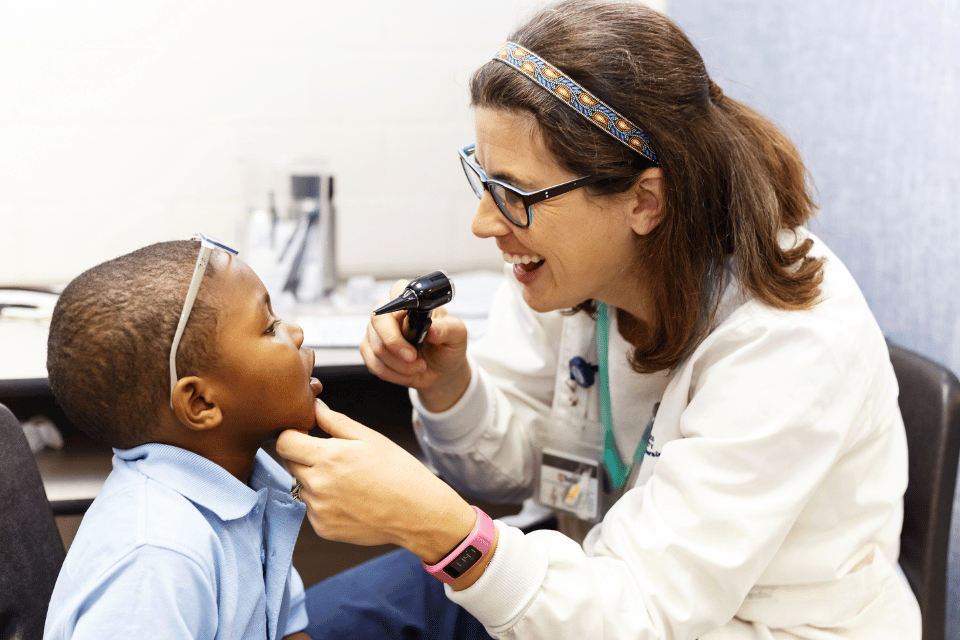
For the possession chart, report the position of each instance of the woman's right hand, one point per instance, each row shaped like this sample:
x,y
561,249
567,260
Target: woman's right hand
x,y
439,371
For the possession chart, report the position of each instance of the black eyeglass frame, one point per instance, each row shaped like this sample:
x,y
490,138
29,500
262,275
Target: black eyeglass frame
x,y
528,198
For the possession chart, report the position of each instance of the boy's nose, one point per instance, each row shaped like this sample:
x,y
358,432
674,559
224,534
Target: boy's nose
x,y
296,332
489,221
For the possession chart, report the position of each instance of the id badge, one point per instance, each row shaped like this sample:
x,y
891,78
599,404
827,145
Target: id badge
x,y
570,478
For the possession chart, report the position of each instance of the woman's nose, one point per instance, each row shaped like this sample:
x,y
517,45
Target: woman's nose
x,y
489,221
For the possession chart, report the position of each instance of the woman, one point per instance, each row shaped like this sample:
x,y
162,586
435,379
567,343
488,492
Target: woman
x,y
716,422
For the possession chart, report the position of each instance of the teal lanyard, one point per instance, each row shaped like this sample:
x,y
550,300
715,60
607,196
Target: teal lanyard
x,y
619,471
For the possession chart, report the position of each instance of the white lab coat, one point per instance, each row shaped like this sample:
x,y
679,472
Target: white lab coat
x,y
769,501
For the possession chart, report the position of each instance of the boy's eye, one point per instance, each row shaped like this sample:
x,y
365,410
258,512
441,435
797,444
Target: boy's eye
x,y
273,326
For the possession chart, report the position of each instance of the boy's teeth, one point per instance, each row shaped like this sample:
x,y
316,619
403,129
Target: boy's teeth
x,y
517,258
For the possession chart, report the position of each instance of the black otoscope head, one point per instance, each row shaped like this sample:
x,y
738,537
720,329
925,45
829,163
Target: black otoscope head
x,y
421,296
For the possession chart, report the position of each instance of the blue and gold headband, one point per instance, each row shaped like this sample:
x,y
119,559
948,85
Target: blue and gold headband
x,y
579,99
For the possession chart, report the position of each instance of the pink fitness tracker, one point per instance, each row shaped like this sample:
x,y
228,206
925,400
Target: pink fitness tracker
x,y
467,553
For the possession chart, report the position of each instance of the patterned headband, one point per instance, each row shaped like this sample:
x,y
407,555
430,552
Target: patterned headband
x,y
579,99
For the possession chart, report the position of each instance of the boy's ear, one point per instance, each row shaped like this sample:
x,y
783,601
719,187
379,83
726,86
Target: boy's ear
x,y
646,210
194,404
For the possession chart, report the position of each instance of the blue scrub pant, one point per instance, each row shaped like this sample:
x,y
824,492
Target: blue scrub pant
x,y
389,597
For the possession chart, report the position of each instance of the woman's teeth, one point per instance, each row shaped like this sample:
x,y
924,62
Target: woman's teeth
x,y
528,260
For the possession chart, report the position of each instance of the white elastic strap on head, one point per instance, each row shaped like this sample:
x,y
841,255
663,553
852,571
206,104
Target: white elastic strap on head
x,y
198,270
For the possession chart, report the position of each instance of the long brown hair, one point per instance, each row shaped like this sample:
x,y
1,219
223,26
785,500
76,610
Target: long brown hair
x,y
732,180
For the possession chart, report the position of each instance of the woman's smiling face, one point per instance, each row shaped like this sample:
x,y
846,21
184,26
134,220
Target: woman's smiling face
x,y
577,247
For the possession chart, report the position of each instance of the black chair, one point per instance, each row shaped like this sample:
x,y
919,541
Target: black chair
x,y
32,550
930,404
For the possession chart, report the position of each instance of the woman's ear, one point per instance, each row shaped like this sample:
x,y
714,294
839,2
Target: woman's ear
x,y
647,208
195,405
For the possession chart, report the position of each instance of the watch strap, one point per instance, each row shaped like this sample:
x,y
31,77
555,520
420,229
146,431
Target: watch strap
x,y
466,554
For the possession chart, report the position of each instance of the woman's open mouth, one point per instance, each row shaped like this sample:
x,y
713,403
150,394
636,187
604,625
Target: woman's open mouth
x,y
527,262
525,265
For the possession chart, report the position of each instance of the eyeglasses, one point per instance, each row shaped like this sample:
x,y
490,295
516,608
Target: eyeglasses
x,y
513,203
207,245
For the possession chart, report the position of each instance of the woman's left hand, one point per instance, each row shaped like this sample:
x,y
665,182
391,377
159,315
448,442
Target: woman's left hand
x,y
362,488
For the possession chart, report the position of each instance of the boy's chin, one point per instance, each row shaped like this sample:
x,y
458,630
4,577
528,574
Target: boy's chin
x,y
294,427
308,422
302,427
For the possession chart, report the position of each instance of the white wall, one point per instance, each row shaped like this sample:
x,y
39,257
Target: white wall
x,y
125,123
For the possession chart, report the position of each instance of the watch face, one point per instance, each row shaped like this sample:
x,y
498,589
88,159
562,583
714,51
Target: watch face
x,y
462,563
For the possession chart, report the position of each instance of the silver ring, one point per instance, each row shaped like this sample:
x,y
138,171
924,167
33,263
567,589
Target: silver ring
x,y
295,491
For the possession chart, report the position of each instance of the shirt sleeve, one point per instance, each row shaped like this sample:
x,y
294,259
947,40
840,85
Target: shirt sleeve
x,y
149,593
486,442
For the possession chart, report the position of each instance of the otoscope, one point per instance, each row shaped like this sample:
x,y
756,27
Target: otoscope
x,y
422,295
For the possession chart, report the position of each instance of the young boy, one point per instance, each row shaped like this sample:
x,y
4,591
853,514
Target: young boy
x,y
192,534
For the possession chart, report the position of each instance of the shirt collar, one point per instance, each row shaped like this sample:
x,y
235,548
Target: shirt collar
x,y
203,481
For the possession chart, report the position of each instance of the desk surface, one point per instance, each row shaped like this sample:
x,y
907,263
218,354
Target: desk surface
x,y
329,362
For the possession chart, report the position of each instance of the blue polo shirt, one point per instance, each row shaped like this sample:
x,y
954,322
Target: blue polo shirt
x,y
175,546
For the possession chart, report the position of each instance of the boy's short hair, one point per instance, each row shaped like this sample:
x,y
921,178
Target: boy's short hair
x,y
110,335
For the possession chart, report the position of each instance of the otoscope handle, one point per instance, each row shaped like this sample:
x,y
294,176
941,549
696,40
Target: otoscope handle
x,y
420,322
